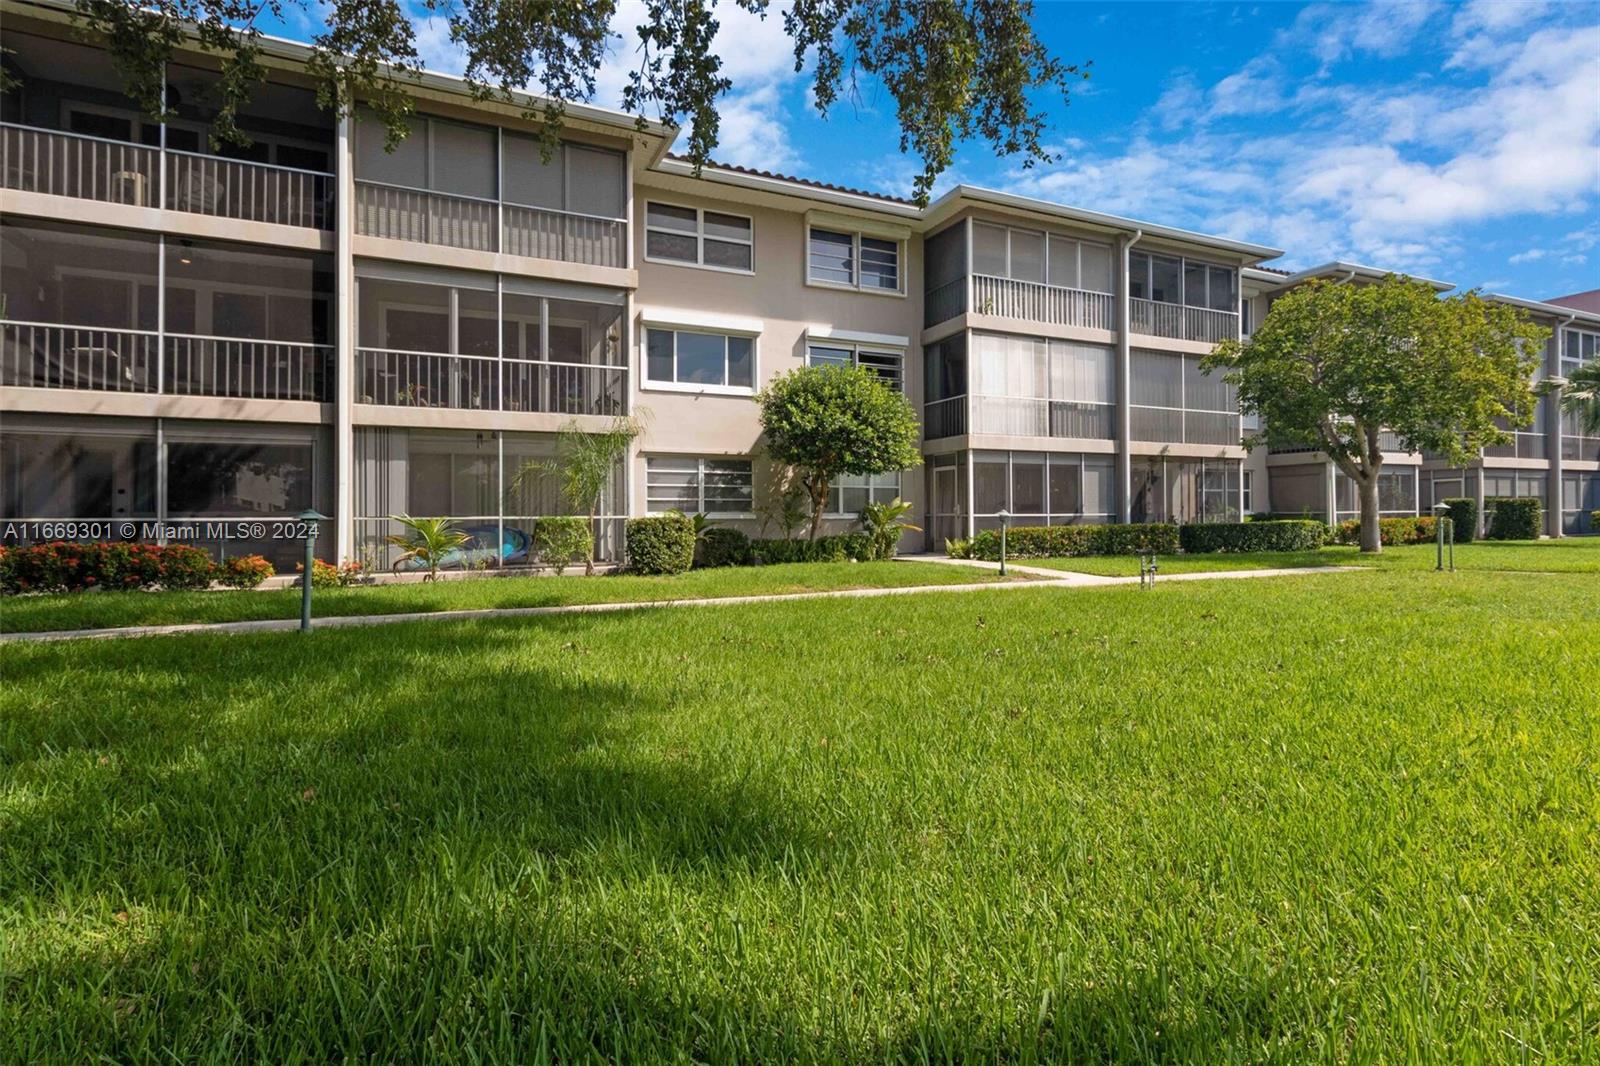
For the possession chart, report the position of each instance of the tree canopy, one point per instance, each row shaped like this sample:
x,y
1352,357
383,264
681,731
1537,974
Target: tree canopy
x,y
831,421
956,69
1335,365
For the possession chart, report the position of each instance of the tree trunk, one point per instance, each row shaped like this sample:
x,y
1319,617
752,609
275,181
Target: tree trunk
x,y
1371,533
819,504
588,556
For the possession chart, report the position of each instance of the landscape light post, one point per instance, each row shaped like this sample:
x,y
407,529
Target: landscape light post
x,y
309,518
1441,513
1005,519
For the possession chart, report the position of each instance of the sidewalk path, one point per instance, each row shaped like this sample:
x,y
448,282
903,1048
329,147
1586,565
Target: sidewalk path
x,y
1057,578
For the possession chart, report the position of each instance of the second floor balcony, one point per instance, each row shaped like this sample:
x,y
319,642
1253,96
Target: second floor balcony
x,y
1181,322
484,225
484,383
1036,302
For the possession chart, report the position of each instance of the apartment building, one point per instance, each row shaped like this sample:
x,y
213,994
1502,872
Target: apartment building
x,y
198,342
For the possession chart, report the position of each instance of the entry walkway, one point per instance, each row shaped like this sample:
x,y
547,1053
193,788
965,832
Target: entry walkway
x,y
1053,578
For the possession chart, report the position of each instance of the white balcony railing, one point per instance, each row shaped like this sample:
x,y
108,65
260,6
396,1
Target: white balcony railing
x,y
1157,319
1034,302
481,225
248,369
44,355
94,168
482,383
255,192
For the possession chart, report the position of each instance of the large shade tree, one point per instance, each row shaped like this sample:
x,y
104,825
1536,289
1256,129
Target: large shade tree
x,y
1334,365
831,421
955,69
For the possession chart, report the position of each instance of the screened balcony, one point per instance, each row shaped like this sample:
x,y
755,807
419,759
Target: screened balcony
x,y
487,344
1170,296
85,139
1174,402
487,190
112,311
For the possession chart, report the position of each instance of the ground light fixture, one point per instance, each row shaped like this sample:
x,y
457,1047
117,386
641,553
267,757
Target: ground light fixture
x,y
308,519
1005,520
1442,524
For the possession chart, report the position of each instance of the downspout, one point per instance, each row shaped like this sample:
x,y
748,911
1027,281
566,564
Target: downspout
x,y
1125,386
1552,438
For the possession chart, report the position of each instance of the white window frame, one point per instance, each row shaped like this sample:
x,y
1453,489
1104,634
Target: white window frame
x,y
699,238
700,462
873,482
648,383
856,350
854,285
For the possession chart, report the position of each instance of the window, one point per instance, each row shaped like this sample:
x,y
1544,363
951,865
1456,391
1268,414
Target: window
x,y
697,237
1028,255
1171,280
700,360
1043,488
696,486
853,260
851,493
1248,491
887,364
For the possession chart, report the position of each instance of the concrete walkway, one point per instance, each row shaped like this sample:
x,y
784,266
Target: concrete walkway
x,y
1056,578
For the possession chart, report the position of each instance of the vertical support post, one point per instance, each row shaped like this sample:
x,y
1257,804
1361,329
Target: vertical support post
x,y
161,309
972,522
1552,441
161,481
1124,485
344,359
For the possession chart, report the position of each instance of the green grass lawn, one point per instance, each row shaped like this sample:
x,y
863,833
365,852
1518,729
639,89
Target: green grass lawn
x,y
104,609
1576,555
1336,818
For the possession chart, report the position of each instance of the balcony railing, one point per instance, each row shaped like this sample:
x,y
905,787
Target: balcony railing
x,y
1172,425
944,418
482,383
248,369
1034,302
945,302
255,192
48,356
1179,322
94,168
481,225
1031,417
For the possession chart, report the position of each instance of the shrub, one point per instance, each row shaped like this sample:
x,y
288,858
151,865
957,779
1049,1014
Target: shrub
x,y
1258,536
1594,521
1037,542
1400,530
563,540
184,566
720,546
660,544
837,548
958,548
121,565
244,571
1464,514
1514,518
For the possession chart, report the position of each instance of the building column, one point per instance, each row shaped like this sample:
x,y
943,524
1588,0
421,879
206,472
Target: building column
x,y
1552,439
1332,497
344,355
1124,421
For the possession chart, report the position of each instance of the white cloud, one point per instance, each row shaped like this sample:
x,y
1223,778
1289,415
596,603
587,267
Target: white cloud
x,y
438,52
1530,256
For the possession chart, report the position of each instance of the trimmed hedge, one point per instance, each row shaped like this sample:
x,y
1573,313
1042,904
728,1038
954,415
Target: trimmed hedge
x,y
562,540
70,566
1293,535
1594,521
1464,516
1391,531
721,546
837,548
1514,518
1040,542
660,544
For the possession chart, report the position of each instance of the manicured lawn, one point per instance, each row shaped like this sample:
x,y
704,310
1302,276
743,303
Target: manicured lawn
x,y
1327,818
101,609
1574,555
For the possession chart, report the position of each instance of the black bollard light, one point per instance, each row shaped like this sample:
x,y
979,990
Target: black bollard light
x,y
309,518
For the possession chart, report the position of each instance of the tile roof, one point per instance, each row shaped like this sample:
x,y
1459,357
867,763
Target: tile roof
x,y
752,172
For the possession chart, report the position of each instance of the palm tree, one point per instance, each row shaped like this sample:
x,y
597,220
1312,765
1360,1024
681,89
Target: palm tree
x,y
428,540
585,463
882,521
1581,398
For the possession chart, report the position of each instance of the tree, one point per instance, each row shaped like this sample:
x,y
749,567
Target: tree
x,y
830,421
1335,365
1581,397
956,69
584,463
428,540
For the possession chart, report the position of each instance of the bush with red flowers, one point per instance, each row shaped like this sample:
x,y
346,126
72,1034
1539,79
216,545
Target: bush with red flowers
x,y
244,571
67,566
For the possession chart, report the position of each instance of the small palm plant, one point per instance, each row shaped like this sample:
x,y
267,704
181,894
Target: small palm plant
x,y
1581,398
428,540
882,522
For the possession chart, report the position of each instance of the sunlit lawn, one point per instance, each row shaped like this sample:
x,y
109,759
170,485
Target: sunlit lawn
x,y
1345,817
1572,555
103,609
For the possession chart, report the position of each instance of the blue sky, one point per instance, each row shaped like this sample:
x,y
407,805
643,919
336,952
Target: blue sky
x,y
1456,141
